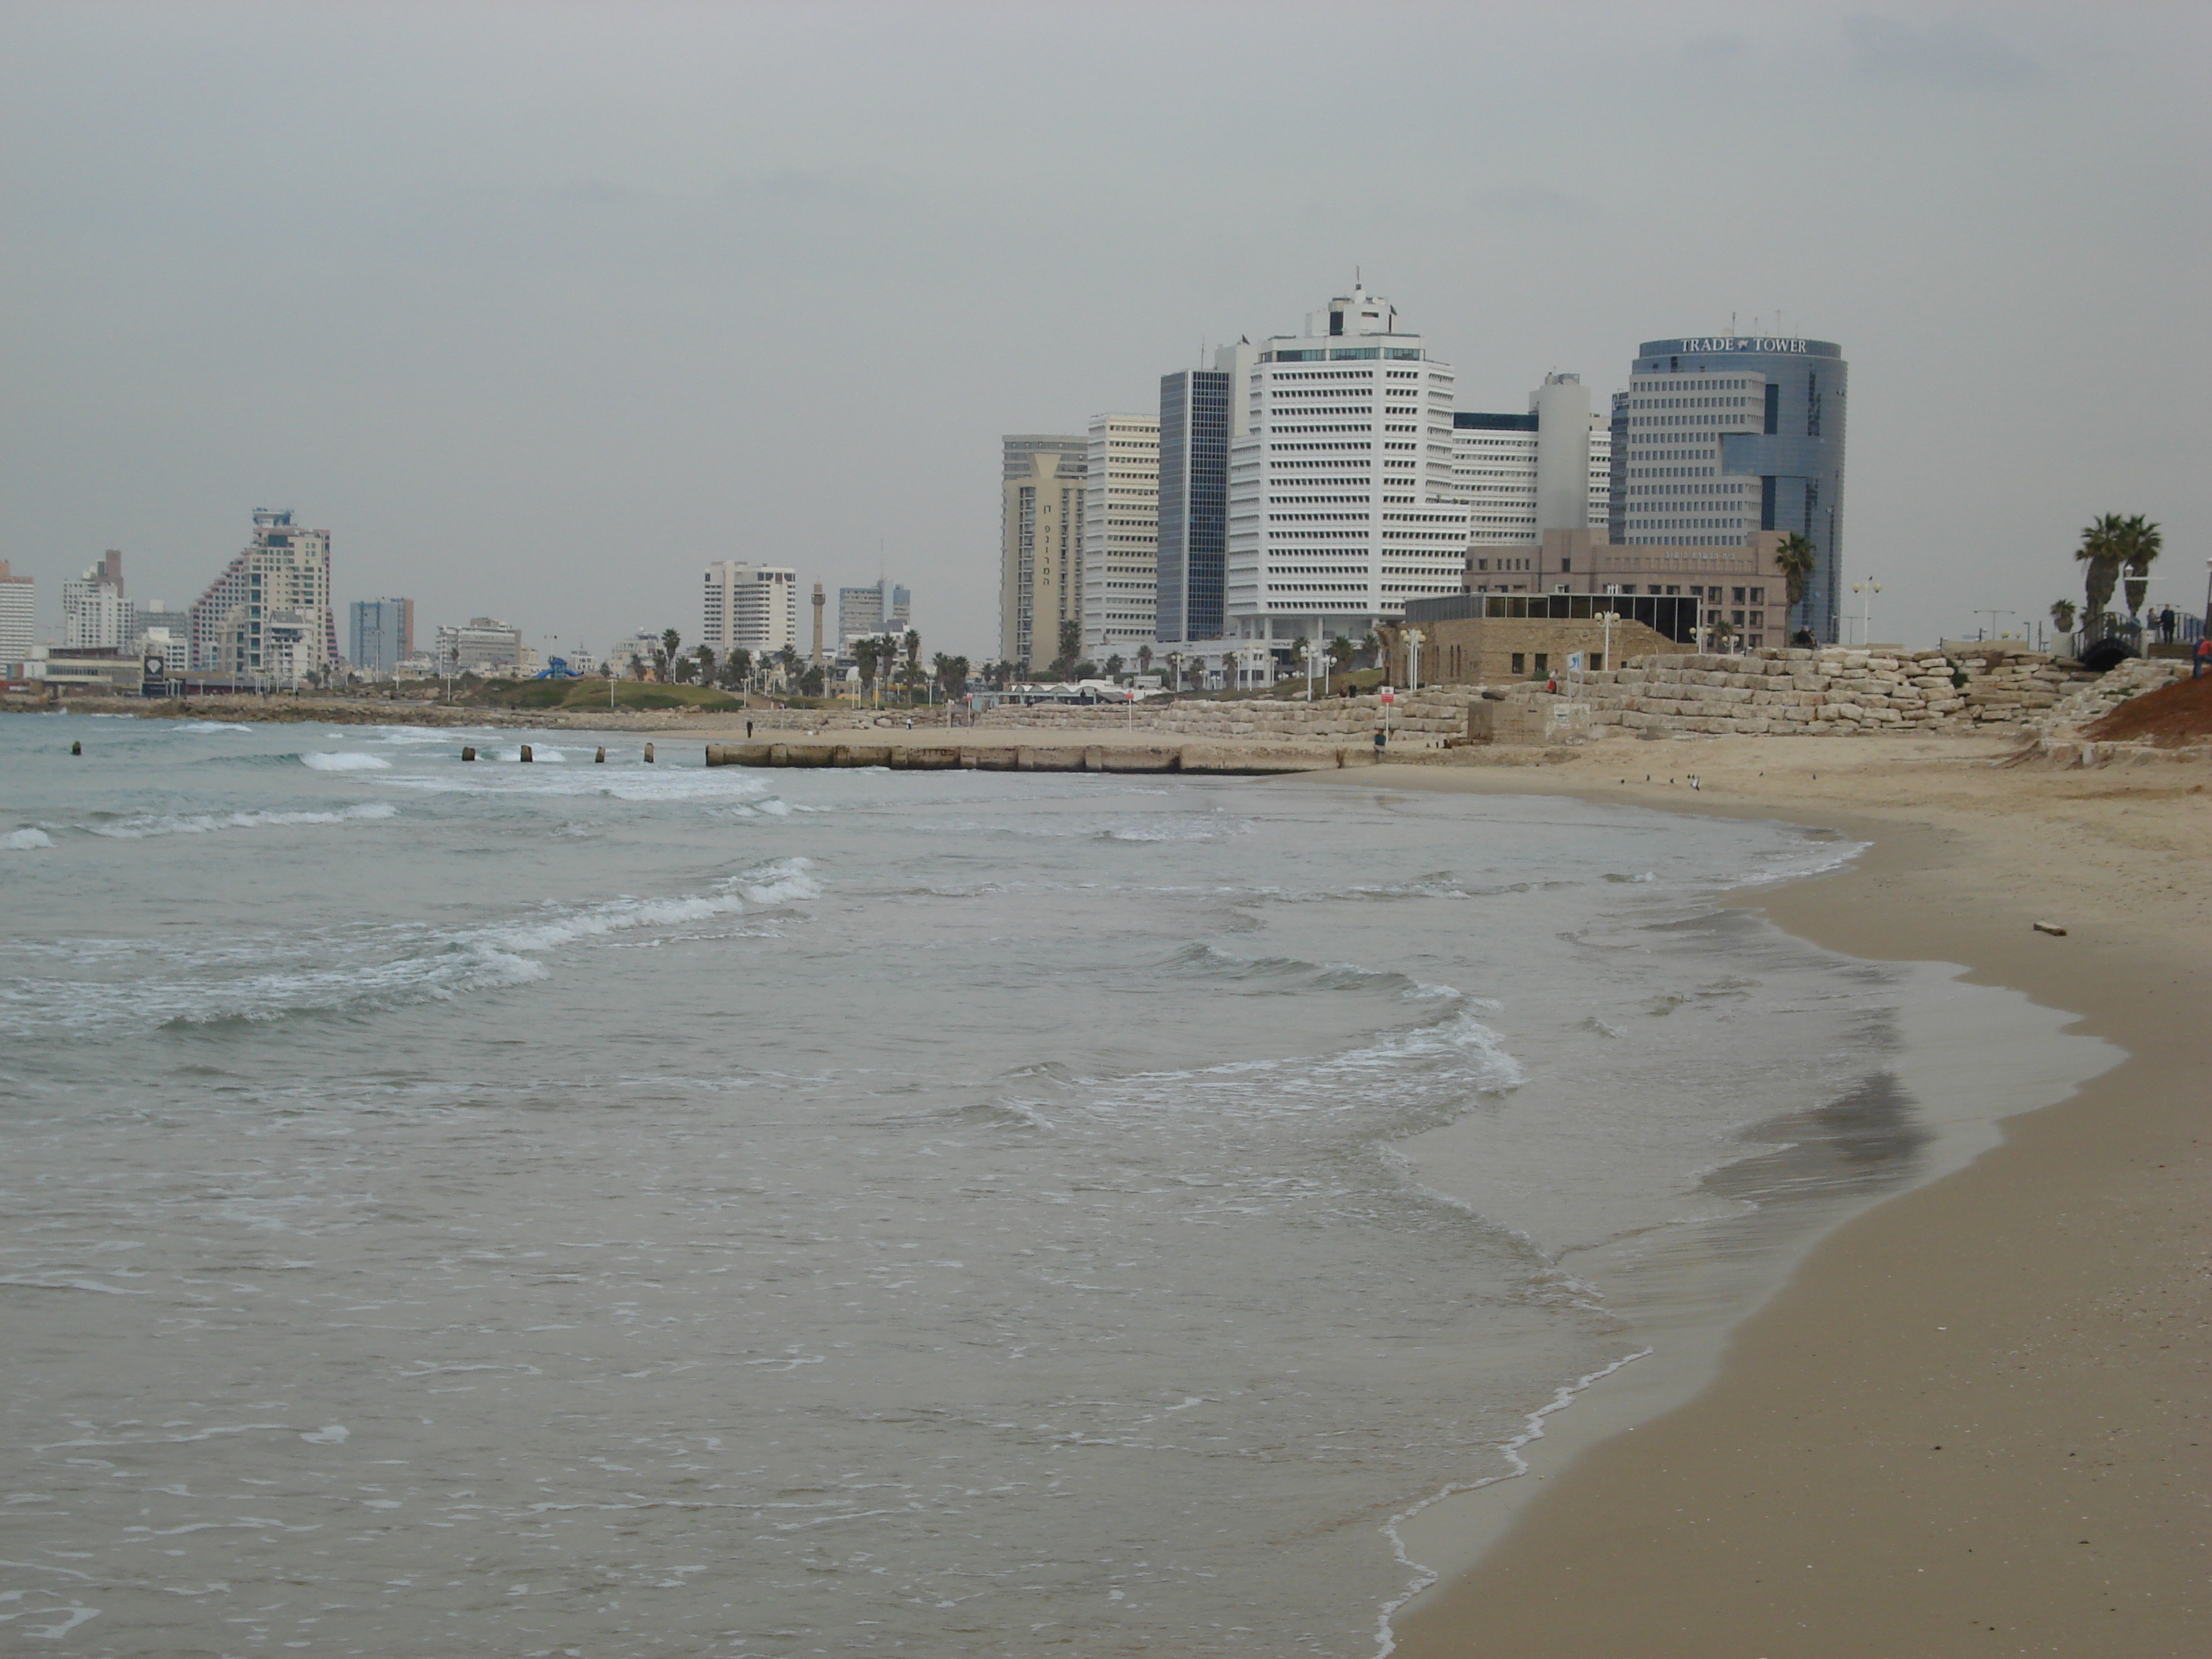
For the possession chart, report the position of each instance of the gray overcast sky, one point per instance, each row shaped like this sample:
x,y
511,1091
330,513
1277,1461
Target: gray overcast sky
x,y
537,307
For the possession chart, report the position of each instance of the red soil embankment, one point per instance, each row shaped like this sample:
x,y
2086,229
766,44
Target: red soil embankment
x,y
2177,713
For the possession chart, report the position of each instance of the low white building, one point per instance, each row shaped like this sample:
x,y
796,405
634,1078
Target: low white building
x,y
481,646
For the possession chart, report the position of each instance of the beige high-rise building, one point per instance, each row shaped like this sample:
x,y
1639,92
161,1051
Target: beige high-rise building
x,y
1041,546
1120,571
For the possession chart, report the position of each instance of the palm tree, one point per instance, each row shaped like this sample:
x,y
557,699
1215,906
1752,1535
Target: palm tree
x,y
2062,616
1144,660
2101,551
2141,542
669,639
1796,558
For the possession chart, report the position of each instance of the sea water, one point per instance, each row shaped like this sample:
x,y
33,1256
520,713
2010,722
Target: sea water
x,y
609,1209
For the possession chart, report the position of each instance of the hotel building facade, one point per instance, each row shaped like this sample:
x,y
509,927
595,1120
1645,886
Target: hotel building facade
x,y
269,614
1041,512
750,607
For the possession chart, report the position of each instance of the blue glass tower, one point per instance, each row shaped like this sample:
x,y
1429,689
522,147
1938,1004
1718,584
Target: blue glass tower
x,y
1746,427
1194,542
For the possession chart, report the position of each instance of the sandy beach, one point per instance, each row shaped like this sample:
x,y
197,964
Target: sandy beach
x,y
1974,1419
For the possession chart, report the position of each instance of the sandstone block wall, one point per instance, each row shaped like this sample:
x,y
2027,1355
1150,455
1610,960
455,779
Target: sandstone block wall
x,y
1829,692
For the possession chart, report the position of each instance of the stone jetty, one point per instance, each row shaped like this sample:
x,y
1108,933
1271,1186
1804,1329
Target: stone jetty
x,y
1237,759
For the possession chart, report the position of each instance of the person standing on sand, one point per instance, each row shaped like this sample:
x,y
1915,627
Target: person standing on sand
x,y
2203,659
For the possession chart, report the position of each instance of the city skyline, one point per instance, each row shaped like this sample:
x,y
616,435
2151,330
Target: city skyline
x,y
483,395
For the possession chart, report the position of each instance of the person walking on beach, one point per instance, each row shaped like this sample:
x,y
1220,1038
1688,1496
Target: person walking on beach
x,y
2202,658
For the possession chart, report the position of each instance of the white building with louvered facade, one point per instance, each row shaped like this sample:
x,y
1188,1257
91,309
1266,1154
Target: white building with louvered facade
x,y
1120,576
1342,503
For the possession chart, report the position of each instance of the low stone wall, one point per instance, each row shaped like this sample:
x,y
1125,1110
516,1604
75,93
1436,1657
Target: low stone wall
x,y
1423,720
1829,692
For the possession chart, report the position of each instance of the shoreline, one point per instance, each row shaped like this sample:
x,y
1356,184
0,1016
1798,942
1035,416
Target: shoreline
x,y
2039,1310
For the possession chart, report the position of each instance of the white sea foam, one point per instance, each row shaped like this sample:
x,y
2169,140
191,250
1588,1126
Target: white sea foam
x,y
201,824
638,783
784,882
343,760
25,840
197,727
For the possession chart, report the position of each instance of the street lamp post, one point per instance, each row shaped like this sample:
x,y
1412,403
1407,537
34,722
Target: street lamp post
x,y
1414,639
1867,590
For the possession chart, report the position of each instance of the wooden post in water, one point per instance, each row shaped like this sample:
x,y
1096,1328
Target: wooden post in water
x,y
468,754
648,754
600,759
77,748
526,756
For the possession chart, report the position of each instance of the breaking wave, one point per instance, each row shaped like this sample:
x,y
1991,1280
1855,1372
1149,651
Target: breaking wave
x,y
201,824
343,760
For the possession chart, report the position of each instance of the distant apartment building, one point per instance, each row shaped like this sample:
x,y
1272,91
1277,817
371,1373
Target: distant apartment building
x,y
1549,469
1040,545
380,635
269,614
1342,504
147,614
1120,568
749,607
1731,434
482,645
95,614
19,617
881,607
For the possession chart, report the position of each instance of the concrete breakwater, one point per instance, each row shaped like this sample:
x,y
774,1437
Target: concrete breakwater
x,y
933,757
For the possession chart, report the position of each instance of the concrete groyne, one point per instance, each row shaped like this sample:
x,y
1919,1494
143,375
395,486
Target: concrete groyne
x,y
1241,759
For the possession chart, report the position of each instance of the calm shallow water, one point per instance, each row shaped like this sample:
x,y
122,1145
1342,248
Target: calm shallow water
x,y
502,1210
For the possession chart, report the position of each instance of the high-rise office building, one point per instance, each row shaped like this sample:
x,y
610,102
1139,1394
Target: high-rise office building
x,y
1120,534
881,607
269,614
1521,475
1040,545
1200,411
1342,504
19,617
379,634
750,607
1732,434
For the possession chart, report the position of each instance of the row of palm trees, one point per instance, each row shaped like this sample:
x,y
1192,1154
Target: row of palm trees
x,y
2114,549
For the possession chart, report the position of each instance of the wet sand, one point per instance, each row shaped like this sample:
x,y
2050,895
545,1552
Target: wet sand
x,y
1976,1418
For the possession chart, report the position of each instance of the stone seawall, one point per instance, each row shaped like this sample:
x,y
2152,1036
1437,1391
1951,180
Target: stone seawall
x,y
1829,692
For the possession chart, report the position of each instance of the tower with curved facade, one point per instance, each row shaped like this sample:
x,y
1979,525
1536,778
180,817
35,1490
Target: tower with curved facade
x,y
1726,434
